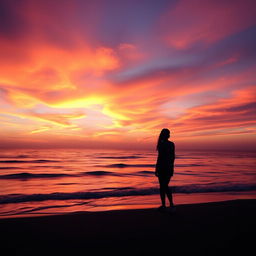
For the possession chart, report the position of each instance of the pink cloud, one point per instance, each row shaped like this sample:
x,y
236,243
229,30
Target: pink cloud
x,y
223,116
192,21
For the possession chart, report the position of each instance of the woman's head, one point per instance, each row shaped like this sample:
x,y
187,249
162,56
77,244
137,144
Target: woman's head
x,y
163,136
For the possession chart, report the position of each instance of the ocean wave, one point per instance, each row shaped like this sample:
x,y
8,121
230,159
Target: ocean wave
x,y
25,210
119,157
28,161
99,173
189,165
14,156
27,175
9,167
121,165
145,173
119,192
49,166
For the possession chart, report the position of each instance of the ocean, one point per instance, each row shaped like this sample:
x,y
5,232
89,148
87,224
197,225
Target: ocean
x,y
41,182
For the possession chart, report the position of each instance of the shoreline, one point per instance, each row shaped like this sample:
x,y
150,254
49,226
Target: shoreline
x,y
207,228
49,208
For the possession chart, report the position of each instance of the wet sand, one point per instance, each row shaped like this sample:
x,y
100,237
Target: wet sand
x,y
207,228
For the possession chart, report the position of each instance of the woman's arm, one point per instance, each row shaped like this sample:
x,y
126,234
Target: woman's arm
x,y
172,152
157,167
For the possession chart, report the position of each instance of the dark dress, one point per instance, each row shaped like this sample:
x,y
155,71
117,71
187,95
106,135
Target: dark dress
x,y
165,160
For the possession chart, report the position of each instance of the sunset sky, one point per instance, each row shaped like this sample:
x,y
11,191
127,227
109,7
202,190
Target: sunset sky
x,y
113,73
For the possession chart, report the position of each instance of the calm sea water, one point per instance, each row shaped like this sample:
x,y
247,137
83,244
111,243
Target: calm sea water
x,y
36,182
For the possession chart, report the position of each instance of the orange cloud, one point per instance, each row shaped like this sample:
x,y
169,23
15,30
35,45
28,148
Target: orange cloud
x,y
234,115
62,119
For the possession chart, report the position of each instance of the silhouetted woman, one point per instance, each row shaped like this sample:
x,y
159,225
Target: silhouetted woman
x,y
165,166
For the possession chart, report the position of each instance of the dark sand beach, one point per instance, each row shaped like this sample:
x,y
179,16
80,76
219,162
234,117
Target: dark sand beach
x,y
207,228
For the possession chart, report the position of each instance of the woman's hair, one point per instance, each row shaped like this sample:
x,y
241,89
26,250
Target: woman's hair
x,y
163,136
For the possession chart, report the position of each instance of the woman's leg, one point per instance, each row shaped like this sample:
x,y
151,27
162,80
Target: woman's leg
x,y
169,195
162,195
165,190
162,184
